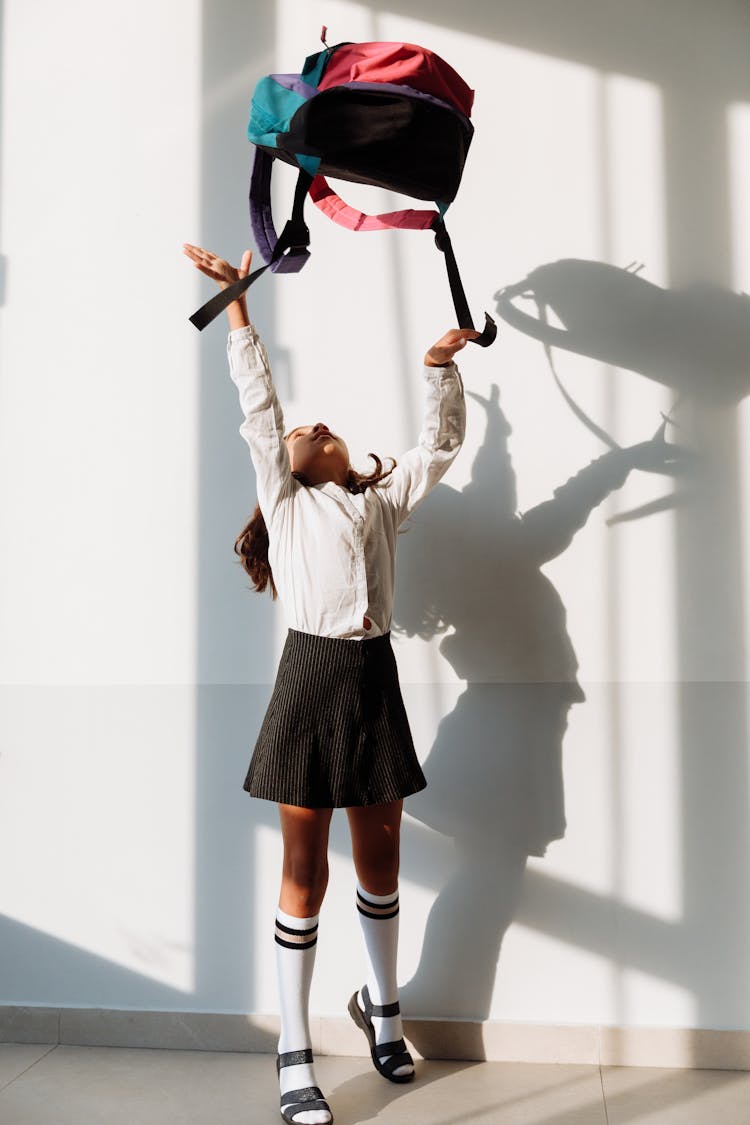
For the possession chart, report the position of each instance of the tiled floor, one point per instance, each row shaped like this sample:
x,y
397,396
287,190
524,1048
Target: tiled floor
x,y
116,1086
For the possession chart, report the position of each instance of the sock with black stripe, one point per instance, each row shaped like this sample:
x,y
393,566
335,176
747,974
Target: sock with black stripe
x,y
378,918
296,940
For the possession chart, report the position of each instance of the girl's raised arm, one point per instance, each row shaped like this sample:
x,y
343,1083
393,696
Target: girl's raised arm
x,y
263,427
442,435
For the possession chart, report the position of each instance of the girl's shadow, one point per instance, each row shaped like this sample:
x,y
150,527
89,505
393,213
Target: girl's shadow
x,y
469,568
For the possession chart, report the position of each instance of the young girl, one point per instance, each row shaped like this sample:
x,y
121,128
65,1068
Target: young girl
x,y
335,734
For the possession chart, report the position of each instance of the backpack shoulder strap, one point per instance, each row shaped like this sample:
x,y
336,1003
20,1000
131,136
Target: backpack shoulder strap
x,y
288,253
295,233
460,304
261,218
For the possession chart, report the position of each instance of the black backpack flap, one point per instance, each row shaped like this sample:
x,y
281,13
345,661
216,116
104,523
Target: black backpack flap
x,y
400,142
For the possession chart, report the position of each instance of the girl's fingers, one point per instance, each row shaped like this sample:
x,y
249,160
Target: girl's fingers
x,y
218,269
452,341
198,254
205,267
456,337
197,260
194,251
247,258
208,272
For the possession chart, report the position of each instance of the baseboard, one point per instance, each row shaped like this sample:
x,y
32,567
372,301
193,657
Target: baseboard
x,y
490,1040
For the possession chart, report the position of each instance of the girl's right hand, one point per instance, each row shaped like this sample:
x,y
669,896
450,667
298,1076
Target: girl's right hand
x,y
217,268
442,352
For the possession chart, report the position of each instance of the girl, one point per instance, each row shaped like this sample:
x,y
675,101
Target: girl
x,y
335,734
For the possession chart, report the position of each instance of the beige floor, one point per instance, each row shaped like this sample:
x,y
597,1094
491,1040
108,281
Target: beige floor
x,y
116,1086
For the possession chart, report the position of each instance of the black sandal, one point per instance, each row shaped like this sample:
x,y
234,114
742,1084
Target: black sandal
x,y
395,1053
304,1100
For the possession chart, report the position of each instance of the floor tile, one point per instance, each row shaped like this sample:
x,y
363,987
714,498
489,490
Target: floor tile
x,y
454,1093
15,1058
646,1096
123,1086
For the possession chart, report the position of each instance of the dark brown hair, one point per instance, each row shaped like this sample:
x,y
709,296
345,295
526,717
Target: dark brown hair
x,y
252,542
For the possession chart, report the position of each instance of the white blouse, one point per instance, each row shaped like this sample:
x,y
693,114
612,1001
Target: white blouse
x,y
332,553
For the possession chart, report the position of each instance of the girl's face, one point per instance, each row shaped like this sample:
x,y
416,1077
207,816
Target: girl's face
x,y
317,454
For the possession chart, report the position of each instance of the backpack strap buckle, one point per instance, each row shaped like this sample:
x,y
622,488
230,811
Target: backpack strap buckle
x,y
291,250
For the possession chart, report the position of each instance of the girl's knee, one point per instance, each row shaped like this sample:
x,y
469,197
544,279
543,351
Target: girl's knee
x,y
307,873
378,874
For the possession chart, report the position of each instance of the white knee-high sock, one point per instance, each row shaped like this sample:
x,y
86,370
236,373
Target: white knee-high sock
x,y
296,939
378,918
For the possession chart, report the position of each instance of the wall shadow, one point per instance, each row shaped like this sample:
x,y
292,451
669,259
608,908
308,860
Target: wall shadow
x,y
696,55
495,769
695,340
52,963
681,46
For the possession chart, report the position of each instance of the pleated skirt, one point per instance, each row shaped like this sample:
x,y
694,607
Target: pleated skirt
x,y
336,732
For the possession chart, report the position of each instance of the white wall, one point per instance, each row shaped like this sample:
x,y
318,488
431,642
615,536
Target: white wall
x,y
135,664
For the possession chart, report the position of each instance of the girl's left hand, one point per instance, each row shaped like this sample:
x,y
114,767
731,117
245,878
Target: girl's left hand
x,y
442,353
217,268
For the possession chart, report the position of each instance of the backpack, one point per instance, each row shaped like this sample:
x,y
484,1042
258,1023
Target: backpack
x,y
392,115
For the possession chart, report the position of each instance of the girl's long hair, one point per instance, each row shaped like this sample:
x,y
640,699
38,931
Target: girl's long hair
x,y
251,545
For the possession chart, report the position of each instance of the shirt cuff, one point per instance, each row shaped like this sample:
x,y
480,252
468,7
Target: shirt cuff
x,y
247,332
436,374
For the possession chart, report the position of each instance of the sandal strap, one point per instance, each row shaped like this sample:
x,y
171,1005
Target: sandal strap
x,y
295,1058
379,1009
304,1107
387,1009
304,1096
397,1047
392,1064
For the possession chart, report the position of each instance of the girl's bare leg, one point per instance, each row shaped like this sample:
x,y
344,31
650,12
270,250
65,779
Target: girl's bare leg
x,y
376,836
304,876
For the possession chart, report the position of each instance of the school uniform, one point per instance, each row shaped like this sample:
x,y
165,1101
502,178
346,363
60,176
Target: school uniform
x,y
336,733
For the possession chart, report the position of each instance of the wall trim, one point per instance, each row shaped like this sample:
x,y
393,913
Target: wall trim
x,y
491,1040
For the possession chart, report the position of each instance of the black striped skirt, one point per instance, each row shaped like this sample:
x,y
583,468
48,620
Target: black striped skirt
x,y
335,733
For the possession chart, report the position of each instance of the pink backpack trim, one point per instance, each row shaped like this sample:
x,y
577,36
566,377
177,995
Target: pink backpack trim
x,y
332,205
